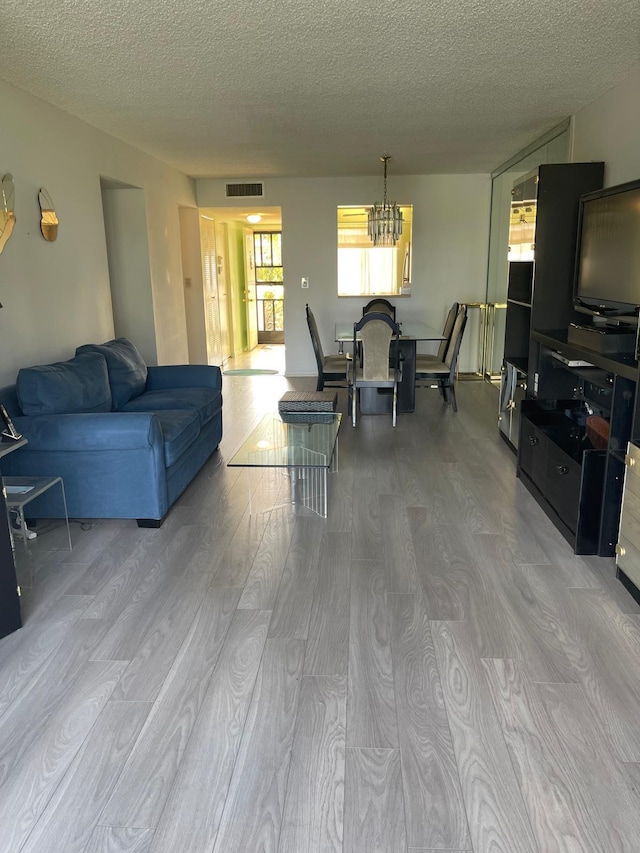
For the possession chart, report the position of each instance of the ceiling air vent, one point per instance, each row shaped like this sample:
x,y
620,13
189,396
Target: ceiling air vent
x,y
245,190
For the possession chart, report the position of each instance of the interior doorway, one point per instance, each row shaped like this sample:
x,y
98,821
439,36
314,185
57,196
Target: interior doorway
x,y
127,244
218,326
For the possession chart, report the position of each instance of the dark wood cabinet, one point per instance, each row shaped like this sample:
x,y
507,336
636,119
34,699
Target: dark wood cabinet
x,y
564,474
574,436
9,601
559,189
540,292
10,619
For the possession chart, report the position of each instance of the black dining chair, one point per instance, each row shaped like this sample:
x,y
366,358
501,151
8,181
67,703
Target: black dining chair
x,y
376,338
444,372
425,361
331,368
381,305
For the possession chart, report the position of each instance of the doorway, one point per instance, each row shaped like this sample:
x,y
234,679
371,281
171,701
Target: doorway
x,y
250,271
269,286
213,244
127,245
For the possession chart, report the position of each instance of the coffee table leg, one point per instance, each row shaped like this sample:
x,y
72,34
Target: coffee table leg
x,y
66,513
249,481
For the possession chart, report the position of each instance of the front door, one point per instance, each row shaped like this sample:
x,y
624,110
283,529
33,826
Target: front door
x,y
210,281
250,290
222,279
267,253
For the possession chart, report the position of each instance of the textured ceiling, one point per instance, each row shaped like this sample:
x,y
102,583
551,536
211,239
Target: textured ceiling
x,y
320,87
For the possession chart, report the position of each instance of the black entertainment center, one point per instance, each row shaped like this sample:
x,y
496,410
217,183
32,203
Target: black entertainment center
x,y
580,410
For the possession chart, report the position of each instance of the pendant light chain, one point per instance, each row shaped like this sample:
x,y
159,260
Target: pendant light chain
x,y
385,160
384,221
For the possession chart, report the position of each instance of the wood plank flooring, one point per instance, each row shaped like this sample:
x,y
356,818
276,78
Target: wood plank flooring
x,y
430,668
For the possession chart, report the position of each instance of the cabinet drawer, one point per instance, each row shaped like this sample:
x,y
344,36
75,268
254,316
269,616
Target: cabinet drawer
x,y
563,475
532,451
630,512
628,559
630,520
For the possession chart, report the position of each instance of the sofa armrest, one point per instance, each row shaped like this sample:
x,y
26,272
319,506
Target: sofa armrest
x,y
164,377
104,431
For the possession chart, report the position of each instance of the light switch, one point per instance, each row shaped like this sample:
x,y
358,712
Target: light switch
x,y
304,282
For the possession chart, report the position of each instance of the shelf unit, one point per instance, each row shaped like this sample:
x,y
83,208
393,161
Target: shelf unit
x,y
513,381
540,292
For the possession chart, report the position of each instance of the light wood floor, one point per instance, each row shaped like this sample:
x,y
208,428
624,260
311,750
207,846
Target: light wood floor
x,y
430,668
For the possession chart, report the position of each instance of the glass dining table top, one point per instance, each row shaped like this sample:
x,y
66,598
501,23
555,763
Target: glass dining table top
x,y
410,329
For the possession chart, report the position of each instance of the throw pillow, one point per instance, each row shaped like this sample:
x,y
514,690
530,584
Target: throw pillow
x,y
126,367
80,384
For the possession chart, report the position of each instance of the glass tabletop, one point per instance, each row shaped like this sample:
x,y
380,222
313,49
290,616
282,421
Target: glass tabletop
x,y
411,329
292,440
21,490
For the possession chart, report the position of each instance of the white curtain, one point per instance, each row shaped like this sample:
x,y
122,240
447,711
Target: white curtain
x,y
366,271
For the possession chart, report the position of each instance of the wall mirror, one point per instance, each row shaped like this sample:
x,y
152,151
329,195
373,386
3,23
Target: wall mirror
x,y
7,205
365,270
48,217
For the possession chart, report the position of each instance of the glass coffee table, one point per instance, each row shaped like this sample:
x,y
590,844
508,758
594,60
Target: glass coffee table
x,y
302,444
20,491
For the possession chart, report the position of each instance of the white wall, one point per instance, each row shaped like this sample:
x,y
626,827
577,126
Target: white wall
x,y
450,243
56,295
609,129
125,224
194,290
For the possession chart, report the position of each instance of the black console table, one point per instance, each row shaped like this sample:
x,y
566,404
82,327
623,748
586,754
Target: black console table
x,y
574,435
10,619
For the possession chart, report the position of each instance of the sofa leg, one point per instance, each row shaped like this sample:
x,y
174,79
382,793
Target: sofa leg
x,y
150,522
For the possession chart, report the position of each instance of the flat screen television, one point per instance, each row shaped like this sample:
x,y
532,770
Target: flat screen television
x,y
607,271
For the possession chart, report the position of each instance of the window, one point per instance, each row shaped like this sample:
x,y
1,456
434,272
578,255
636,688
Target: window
x,y
267,247
367,271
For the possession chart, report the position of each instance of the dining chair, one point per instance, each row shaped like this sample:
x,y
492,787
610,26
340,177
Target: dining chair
x,y
425,361
444,372
331,368
382,306
376,339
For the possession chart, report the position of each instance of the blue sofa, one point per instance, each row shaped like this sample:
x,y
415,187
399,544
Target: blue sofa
x,y
126,439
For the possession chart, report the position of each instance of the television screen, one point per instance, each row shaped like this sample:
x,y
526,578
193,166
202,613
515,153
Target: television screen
x,y
608,254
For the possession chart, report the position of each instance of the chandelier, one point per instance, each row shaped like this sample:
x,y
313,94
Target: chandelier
x,y
384,220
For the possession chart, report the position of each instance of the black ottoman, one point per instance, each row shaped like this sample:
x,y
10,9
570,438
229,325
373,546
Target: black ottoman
x,y
306,406
308,401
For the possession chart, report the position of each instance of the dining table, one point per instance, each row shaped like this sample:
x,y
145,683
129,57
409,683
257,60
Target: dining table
x,y
376,401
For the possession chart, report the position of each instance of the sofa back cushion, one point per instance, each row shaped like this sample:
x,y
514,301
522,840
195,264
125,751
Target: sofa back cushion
x,y
126,367
66,387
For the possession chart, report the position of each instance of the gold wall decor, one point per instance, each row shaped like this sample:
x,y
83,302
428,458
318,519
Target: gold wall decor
x,y
7,216
48,218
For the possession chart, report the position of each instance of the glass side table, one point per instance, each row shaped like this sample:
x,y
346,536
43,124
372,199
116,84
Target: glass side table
x,y
20,491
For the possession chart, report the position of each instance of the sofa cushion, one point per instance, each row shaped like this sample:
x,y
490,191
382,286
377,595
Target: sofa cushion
x,y
180,429
80,384
126,367
205,401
